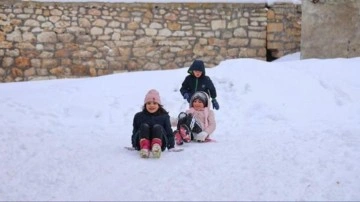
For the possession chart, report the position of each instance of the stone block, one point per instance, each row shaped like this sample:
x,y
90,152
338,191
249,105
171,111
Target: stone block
x,y
22,62
275,27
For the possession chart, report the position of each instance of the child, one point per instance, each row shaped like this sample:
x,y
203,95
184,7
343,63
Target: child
x,y
198,123
151,127
198,81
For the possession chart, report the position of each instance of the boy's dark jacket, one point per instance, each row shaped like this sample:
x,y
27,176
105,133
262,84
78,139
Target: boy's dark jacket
x,y
191,84
160,117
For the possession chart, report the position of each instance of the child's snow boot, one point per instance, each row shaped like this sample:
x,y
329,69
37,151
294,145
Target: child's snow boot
x,y
156,147
156,150
144,148
183,127
144,153
178,138
185,133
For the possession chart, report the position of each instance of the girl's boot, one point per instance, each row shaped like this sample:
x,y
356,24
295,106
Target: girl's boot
x,y
183,128
156,147
184,132
178,138
144,148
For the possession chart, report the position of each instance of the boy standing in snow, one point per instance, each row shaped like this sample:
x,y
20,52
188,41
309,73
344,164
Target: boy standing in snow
x,y
198,122
152,128
198,81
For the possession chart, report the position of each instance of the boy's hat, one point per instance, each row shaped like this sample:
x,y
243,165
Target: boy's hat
x,y
152,96
197,65
201,95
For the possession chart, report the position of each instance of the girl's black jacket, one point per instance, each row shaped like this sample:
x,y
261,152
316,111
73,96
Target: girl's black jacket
x,y
160,117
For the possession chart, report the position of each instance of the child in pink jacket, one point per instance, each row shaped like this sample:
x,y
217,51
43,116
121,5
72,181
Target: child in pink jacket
x,y
198,122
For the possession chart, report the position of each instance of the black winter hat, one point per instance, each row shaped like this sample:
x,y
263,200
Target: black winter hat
x,y
197,65
201,95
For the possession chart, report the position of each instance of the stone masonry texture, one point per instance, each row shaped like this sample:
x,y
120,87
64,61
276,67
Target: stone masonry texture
x,y
43,40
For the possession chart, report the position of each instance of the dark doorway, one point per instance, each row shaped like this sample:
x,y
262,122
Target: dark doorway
x,y
270,55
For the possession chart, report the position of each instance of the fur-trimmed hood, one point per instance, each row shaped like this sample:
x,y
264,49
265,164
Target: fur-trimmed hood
x,y
203,96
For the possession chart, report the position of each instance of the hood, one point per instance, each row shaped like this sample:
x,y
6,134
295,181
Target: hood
x,y
202,96
197,65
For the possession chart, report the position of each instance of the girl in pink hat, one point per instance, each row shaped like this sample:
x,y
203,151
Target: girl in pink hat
x,y
198,122
151,127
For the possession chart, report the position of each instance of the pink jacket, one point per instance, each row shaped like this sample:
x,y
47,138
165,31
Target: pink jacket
x,y
206,118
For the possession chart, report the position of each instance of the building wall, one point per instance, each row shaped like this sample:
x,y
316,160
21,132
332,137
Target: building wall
x,y
283,30
330,29
56,40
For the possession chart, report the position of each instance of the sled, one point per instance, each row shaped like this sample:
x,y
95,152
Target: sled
x,y
207,140
171,150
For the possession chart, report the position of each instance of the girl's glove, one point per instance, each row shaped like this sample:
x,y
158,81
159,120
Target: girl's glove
x,y
201,136
215,104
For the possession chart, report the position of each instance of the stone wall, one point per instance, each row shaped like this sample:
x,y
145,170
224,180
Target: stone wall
x,y
283,30
58,40
330,29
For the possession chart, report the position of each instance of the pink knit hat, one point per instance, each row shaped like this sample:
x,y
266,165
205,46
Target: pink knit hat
x,y
152,96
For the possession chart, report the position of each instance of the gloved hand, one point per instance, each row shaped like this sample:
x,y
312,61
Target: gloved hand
x,y
200,137
186,96
215,104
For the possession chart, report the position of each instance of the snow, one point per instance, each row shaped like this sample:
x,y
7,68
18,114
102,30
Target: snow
x,y
270,2
286,130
